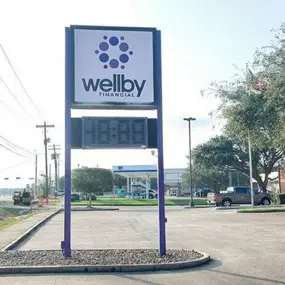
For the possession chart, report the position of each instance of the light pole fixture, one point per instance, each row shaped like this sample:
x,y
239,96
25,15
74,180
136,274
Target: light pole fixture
x,y
189,119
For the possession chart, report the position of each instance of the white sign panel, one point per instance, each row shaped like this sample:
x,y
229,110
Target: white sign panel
x,y
113,67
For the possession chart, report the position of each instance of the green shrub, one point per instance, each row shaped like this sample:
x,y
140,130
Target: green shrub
x,y
275,198
282,198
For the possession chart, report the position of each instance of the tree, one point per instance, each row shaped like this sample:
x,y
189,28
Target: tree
x,y
61,183
206,175
92,180
119,180
269,61
248,116
257,115
41,187
224,154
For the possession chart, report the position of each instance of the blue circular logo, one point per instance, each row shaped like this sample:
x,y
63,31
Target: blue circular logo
x,y
114,43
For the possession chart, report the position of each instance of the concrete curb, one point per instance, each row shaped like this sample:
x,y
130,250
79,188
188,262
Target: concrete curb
x,y
22,237
200,207
85,209
259,211
226,208
105,268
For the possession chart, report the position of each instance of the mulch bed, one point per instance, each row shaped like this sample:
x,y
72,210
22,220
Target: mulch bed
x,y
94,257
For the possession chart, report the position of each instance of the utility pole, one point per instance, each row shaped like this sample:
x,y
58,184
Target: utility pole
x,y
58,175
55,168
49,177
36,175
46,140
55,155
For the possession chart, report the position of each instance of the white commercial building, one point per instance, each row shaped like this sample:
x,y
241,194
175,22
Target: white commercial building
x,y
172,176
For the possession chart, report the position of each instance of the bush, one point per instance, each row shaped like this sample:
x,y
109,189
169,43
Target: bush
x,y
274,197
282,198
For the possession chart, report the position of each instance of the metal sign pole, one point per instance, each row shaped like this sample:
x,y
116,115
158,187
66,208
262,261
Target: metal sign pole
x,y
161,202
65,245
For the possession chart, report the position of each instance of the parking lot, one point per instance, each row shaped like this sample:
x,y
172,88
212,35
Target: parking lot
x,y
246,248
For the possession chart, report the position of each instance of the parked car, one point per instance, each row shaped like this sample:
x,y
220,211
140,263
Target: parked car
x,y
174,193
202,193
74,197
152,194
59,193
238,195
185,193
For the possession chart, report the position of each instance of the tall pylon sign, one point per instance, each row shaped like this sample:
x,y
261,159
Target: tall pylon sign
x,y
113,68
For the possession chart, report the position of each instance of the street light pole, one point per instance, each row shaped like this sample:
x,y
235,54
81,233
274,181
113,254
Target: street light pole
x,y
190,159
250,151
250,171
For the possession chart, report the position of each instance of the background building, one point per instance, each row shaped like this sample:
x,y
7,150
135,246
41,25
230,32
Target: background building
x,y
148,173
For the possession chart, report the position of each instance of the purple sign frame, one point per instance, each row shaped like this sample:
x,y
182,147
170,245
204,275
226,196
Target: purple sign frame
x,y
69,93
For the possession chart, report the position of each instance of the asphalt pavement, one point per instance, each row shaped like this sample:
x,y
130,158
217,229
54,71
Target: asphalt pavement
x,y
246,248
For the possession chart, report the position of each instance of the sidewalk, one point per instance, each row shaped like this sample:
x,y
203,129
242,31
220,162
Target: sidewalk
x,y
9,234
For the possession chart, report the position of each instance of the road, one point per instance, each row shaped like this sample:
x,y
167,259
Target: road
x,y
6,202
246,248
6,199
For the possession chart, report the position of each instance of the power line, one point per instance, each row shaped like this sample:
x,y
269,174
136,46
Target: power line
x,y
15,165
2,102
12,151
26,92
11,93
16,146
12,112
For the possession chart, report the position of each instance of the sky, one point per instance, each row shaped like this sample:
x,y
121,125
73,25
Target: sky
x,y
202,41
